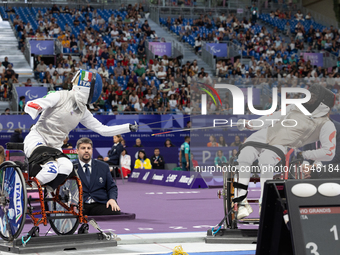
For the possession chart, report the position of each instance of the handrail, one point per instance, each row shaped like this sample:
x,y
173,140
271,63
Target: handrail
x,y
14,100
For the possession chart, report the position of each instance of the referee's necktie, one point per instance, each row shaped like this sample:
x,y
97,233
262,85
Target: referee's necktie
x,y
87,173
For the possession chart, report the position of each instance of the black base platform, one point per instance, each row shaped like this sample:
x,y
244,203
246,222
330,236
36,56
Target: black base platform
x,y
58,243
98,218
245,236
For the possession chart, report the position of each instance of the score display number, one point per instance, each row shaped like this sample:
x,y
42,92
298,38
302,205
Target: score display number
x,y
320,230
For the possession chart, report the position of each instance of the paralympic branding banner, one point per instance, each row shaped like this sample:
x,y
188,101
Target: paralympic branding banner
x,y
42,47
161,48
316,59
217,49
180,179
31,93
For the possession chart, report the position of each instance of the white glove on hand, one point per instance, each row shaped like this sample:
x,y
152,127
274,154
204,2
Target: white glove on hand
x,y
134,128
242,124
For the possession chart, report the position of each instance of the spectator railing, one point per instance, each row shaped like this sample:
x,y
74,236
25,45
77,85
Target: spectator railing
x,y
265,5
329,59
316,16
70,3
27,53
58,48
207,56
149,51
177,49
233,49
200,3
39,84
112,4
237,8
14,101
154,14
320,18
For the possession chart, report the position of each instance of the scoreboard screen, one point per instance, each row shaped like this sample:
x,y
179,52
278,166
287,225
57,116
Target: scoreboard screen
x,y
300,217
72,154
320,228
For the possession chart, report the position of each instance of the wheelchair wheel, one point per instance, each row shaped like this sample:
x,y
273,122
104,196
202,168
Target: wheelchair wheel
x,y
69,194
13,201
229,195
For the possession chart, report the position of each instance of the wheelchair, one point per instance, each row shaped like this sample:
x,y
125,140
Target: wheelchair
x,y
22,194
291,168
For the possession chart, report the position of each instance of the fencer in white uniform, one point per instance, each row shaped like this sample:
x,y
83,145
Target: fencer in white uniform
x,y
308,129
61,112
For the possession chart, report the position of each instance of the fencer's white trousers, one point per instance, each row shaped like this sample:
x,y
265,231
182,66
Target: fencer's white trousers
x,y
51,169
267,161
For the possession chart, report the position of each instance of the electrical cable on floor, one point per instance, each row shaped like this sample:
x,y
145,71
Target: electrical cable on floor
x,y
178,250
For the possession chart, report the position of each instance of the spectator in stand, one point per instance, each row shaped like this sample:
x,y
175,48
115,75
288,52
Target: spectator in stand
x,y
145,26
113,157
233,157
41,68
16,20
16,137
157,160
254,13
125,163
2,154
5,63
110,61
138,143
173,83
142,161
212,142
55,9
66,144
2,70
198,44
10,72
168,143
22,102
74,45
220,159
76,22
28,83
7,112
237,141
222,142
119,70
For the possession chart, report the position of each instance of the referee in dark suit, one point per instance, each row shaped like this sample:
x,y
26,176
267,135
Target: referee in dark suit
x,y
100,191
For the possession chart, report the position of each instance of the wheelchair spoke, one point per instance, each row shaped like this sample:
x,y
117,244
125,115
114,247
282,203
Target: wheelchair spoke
x,y
3,182
8,226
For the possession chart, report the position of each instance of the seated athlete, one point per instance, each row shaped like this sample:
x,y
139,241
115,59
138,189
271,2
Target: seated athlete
x,y
61,112
309,129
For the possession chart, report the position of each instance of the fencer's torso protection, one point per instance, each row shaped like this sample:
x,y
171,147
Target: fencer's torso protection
x,y
307,129
55,123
